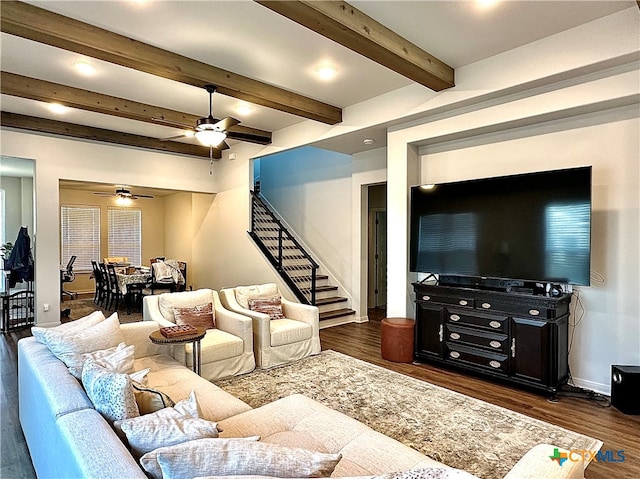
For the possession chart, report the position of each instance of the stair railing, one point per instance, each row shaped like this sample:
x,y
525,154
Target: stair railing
x,y
288,256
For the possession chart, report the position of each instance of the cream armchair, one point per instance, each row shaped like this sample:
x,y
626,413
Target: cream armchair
x,y
225,351
276,341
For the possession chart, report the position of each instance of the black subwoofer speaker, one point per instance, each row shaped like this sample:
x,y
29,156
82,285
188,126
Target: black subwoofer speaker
x,y
625,388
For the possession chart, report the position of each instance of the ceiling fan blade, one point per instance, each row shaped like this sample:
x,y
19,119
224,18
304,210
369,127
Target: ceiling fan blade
x,y
249,137
226,123
223,146
100,193
141,196
174,137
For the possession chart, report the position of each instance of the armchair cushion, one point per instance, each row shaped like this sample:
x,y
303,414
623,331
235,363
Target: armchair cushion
x,y
200,315
258,291
271,306
216,346
288,331
185,299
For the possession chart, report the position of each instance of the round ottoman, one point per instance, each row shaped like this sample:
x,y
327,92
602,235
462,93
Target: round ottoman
x,y
397,339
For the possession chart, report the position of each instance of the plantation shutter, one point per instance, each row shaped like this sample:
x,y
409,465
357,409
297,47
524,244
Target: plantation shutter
x,y
80,231
125,234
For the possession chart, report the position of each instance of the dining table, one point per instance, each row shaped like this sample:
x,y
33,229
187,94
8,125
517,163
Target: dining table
x,y
131,282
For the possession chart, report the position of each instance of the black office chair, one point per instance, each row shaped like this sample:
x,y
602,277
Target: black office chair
x,y
67,276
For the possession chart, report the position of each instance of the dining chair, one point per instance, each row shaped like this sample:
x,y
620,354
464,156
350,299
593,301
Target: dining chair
x,y
113,288
101,289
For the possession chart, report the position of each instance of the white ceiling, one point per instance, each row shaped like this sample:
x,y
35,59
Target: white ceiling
x,y
247,38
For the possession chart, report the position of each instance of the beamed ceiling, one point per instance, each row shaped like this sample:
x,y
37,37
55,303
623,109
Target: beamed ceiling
x,y
152,60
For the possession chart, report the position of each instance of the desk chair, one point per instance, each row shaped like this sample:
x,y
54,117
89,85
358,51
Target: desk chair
x,y
67,276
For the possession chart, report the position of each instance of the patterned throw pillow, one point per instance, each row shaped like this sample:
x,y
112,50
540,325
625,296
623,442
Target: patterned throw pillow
x,y
235,457
111,393
271,306
198,316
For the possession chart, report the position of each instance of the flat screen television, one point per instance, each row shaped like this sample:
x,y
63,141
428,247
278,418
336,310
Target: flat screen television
x,y
533,227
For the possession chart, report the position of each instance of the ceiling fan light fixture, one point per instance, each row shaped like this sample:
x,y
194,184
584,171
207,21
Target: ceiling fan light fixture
x,y
210,138
123,200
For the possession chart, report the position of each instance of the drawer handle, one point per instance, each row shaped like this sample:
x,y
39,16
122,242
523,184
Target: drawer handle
x,y
426,298
454,354
495,344
534,312
494,364
486,305
440,333
463,302
495,324
454,336
454,317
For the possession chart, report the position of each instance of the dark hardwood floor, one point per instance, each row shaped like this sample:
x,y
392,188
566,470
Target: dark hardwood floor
x,y
616,430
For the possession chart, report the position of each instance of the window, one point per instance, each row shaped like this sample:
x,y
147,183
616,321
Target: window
x,y
125,234
80,235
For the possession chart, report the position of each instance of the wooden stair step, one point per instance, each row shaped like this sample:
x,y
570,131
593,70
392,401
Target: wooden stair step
x,y
331,300
337,313
319,277
320,289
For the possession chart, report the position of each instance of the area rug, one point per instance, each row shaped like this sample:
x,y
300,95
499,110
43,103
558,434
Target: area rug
x,y
82,307
455,429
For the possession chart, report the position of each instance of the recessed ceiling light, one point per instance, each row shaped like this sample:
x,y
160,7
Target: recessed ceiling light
x,y
84,68
368,141
326,72
57,108
486,3
244,109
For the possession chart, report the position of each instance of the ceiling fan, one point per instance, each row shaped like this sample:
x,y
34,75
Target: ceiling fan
x,y
122,193
208,130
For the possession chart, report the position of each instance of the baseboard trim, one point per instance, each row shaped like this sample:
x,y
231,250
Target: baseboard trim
x,y
592,386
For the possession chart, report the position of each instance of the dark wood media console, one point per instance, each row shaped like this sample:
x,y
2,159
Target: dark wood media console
x,y
518,338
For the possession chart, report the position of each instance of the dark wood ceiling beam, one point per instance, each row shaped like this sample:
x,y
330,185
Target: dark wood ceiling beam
x,y
40,25
43,125
41,90
348,26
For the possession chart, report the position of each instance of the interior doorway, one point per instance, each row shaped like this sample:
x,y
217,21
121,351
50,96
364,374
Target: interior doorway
x,y
377,250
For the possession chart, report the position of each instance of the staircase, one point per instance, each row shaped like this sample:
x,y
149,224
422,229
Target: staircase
x,y
296,267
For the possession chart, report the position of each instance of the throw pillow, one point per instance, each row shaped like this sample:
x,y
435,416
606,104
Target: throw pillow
x,y
118,359
270,306
200,315
111,393
150,400
44,335
183,299
237,457
140,376
166,427
259,291
68,346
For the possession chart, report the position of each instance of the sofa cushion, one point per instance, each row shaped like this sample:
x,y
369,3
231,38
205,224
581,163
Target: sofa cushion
x,y
172,378
245,293
118,359
271,306
165,427
288,331
69,347
111,393
200,315
184,299
238,457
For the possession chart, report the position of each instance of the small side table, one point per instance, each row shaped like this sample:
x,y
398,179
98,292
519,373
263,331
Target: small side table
x,y
157,338
397,339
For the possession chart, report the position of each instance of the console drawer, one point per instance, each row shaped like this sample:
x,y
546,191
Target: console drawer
x,y
458,353
532,308
485,339
465,302
490,322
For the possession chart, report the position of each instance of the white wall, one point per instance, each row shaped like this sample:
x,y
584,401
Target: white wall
x,y
309,188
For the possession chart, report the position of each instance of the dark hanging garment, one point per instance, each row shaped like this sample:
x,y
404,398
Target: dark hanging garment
x,y
20,261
